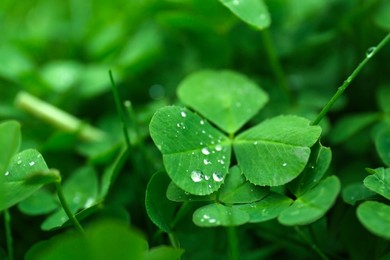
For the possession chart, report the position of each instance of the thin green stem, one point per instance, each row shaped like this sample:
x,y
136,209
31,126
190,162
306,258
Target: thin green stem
x,y
65,206
311,243
121,110
370,53
234,251
275,63
57,117
8,234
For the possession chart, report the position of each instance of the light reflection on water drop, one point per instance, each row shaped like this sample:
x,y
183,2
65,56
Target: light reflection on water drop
x,y
196,176
217,176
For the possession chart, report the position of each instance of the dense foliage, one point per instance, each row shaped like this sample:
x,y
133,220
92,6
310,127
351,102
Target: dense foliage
x,y
195,129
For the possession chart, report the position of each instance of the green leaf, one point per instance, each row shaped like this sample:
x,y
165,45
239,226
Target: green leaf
x,y
214,215
381,16
226,98
252,12
10,138
80,191
268,208
351,125
276,151
160,210
40,202
375,216
355,192
176,194
62,75
382,144
237,190
196,155
312,205
103,240
21,167
163,253
383,93
317,166
379,182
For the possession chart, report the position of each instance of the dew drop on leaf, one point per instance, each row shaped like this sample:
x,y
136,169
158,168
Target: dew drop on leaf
x,y
201,122
217,176
19,162
206,177
31,163
205,151
183,114
6,174
370,52
196,176
205,161
218,147
284,164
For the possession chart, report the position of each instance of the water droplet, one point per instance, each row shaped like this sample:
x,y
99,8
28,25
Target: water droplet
x,y
203,131
201,122
221,161
6,174
210,186
196,176
206,216
205,161
217,176
19,162
39,156
212,220
370,52
205,151
236,2
206,177
183,114
178,125
284,164
218,147
255,143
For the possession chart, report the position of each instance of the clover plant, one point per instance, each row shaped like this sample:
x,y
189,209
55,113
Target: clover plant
x,y
223,137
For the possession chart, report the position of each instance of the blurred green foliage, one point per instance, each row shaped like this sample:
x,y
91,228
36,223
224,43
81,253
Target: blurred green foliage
x,y
61,51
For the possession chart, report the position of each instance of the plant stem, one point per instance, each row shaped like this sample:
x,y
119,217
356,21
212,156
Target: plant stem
x,y
8,234
234,251
57,117
311,243
370,53
65,206
274,62
121,110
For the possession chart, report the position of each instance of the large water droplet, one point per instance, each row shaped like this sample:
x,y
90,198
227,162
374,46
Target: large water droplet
x,y
218,147
183,114
196,176
370,52
217,176
205,151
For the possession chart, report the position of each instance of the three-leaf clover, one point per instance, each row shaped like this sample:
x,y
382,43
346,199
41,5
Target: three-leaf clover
x,y
197,155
